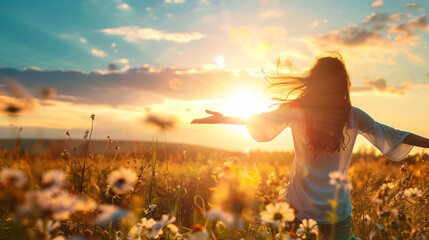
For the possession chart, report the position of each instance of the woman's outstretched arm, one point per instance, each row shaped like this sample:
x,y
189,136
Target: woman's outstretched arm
x,y
416,140
219,118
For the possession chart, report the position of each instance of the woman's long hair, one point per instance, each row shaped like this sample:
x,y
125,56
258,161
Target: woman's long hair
x,y
323,93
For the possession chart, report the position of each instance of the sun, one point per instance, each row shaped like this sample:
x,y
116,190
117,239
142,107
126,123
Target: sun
x,y
244,103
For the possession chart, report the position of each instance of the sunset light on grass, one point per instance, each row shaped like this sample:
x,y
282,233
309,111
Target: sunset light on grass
x,y
214,119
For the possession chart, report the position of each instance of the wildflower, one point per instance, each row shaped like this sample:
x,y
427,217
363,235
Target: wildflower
x,y
386,213
135,232
64,153
109,213
307,227
337,178
412,192
198,233
404,168
156,229
387,186
47,227
118,235
86,134
122,180
68,133
109,140
148,223
107,191
12,177
272,179
92,116
62,204
53,180
366,219
286,236
180,236
277,214
150,208
225,217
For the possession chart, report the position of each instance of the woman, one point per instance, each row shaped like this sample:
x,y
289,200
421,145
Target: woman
x,y
324,127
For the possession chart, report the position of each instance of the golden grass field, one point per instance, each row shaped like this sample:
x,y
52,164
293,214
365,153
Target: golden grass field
x,y
72,190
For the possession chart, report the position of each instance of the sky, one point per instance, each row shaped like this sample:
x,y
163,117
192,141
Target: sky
x,y
126,61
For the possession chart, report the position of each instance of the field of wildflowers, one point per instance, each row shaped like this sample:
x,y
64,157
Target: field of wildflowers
x,y
194,193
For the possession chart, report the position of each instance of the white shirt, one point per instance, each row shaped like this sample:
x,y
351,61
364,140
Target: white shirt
x,y
309,189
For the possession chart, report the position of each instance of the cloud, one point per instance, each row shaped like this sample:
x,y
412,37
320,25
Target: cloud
x,y
351,36
220,61
174,1
256,41
406,31
123,61
413,6
83,40
112,67
380,85
124,7
270,13
314,24
380,37
98,53
409,84
134,33
136,86
377,4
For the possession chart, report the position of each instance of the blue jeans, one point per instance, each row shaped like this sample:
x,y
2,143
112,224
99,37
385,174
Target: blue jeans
x,y
341,229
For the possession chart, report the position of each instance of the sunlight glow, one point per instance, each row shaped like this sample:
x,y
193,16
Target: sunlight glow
x,y
243,103
220,62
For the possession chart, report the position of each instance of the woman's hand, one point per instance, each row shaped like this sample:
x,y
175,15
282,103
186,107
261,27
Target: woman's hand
x,y
216,117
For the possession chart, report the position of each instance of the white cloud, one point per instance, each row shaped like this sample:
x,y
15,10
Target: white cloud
x,y
98,53
377,4
123,60
124,7
133,33
270,13
113,44
83,40
174,1
314,24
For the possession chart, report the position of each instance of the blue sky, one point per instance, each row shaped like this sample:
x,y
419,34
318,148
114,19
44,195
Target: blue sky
x,y
178,57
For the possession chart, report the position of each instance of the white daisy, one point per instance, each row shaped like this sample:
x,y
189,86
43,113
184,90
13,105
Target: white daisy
x,y
366,219
12,177
308,226
156,228
47,227
337,178
135,232
277,214
109,213
412,192
122,180
53,180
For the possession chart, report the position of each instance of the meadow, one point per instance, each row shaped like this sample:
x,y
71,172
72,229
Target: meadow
x,y
84,189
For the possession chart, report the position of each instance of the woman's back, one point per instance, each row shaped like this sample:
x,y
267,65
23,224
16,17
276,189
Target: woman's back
x,y
309,188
